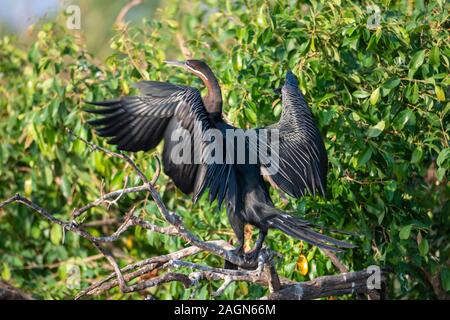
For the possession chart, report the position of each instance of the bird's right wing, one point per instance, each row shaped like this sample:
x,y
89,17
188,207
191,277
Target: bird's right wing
x,y
137,123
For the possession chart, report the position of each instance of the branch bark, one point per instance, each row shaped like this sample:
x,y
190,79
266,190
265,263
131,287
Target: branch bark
x,y
8,292
344,283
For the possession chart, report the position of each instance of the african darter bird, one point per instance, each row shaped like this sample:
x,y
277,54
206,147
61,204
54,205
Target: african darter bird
x,y
139,123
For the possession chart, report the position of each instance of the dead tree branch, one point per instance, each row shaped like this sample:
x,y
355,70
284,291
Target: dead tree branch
x,y
172,266
8,292
344,283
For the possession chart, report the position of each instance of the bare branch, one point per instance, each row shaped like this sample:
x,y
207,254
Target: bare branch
x,y
262,271
344,283
123,12
335,260
142,267
183,47
8,292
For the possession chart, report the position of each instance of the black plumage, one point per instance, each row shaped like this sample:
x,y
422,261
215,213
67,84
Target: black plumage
x,y
141,122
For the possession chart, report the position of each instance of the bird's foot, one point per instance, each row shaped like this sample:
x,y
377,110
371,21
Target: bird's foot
x,y
231,266
251,256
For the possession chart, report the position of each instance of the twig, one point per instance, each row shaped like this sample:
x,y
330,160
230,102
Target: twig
x,y
335,260
184,49
123,12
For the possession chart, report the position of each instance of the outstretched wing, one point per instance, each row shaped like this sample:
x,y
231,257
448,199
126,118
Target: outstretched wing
x,y
139,123
294,156
302,158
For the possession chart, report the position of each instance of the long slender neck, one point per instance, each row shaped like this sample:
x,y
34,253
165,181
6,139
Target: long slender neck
x,y
213,100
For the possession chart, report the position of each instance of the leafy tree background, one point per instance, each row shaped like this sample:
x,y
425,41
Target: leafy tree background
x,y
379,94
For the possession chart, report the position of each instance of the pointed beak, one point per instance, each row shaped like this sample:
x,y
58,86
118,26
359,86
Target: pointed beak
x,y
176,63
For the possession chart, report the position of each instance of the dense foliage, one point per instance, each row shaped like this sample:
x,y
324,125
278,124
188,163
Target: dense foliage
x,y
379,92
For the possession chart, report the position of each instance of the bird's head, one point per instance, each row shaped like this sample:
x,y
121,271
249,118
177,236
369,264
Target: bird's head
x,y
213,100
197,67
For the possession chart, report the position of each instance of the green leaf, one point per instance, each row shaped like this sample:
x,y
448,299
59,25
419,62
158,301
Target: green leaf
x,y
326,97
251,115
413,93
365,156
434,56
443,155
405,232
375,96
392,83
376,130
390,188
66,187
440,173
423,247
361,94
445,279
416,155
416,61
405,117
56,234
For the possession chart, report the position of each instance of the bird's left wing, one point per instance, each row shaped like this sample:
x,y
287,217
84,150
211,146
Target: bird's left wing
x,y
301,159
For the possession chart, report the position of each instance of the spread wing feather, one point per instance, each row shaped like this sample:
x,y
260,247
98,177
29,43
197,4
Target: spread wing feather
x,y
139,123
302,158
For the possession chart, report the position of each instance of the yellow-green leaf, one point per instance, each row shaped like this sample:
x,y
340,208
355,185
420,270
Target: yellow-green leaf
x,y
440,94
375,96
28,187
6,272
376,130
56,234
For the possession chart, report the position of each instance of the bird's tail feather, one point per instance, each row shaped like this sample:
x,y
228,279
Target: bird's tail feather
x,y
302,230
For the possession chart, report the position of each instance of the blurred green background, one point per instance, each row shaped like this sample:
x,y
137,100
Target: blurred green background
x,y
376,77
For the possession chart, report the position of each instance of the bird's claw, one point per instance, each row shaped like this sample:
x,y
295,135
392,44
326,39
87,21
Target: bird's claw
x,y
251,256
231,266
